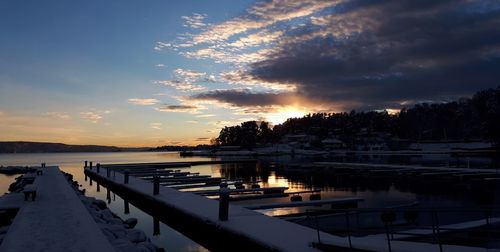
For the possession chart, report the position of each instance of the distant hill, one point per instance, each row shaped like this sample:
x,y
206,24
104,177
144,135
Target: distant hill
x,y
40,147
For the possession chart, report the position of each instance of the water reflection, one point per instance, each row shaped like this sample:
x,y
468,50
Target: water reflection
x,y
277,172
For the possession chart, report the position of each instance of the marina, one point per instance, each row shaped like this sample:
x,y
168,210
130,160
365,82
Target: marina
x,y
260,199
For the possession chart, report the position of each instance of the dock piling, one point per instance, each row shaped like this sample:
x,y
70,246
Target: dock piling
x,y
223,202
86,162
98,167
156,226
126,207
156,185
125,177
90,165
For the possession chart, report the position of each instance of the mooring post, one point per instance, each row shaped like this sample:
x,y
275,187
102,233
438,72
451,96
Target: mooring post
x,y
156,185
108,195
85,164
126,207
90,165
125,177
156,226
223,202
98,167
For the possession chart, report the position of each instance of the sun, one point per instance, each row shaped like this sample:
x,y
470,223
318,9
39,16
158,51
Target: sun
x,y
281,115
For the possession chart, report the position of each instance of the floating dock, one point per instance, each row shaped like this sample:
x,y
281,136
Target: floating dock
x,y
245,229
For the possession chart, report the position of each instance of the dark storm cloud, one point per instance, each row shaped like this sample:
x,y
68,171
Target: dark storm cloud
x,y
177,108
378,54
245,97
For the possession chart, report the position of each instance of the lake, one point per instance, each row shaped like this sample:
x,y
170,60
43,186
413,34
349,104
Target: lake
x,y
271,171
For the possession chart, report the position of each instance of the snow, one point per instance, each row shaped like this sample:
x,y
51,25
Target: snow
x,y
11,201
56,221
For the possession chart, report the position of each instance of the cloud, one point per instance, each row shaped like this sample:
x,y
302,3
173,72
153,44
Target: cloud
x,y
202,139
205,115
57,115
189,75
365,57
94,117
245,97
180,85
349,54
178,108
240,77
195,21
142,101
261,15
220,123
156,126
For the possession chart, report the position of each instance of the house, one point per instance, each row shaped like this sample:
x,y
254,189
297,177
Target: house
x,y
300,141
333,144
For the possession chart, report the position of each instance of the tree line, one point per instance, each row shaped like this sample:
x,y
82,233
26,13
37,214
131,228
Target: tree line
x,y
477,117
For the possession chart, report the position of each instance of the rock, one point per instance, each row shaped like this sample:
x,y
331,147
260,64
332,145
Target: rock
x,y
4,229
130,222
123,245
107,215
117,230
115,221
136,236
146,247
100,203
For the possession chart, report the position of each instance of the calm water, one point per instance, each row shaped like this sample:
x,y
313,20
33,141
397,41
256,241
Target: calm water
x,y
375,192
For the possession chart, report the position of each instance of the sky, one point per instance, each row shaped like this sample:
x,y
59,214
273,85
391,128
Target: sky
x,y
151,73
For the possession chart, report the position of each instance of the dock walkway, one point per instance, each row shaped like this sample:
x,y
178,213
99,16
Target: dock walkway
x,y
272,234
368,166
56,221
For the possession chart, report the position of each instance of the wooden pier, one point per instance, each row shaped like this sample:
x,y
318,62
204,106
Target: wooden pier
x,y
56,221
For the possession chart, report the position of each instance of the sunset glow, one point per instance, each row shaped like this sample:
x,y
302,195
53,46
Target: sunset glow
x,y
176,72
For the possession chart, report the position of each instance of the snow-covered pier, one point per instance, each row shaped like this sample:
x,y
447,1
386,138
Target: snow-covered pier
x,y
248,228
56,220
244,230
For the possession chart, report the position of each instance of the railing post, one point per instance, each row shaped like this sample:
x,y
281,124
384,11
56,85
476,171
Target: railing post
x,y
388,218
125,177
156,226
437,232
126,207
317,228
108,172
348,226
223,202
98,167
108,195
156,185
85,164
90,165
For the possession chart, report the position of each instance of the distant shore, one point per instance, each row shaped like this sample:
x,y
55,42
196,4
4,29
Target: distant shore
x,y
43,147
